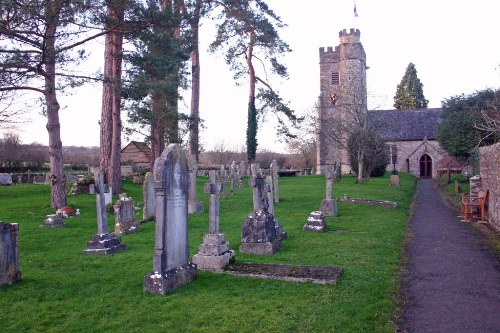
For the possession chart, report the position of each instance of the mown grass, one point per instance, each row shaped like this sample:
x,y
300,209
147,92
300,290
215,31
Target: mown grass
x,y
64,291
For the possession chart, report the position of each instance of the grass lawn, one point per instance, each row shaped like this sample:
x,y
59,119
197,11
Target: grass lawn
x,y
64,291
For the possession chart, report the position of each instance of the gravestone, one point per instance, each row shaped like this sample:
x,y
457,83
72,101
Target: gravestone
x,y
394,180
274,173
232,177
125,222
258,234
194,205
171,267
5,179
329,205
103,242
148,191
214,253
244,169
280,233
223,180
315,222
9,253
54,221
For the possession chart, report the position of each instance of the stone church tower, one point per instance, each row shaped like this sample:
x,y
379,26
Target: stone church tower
x,y
342,102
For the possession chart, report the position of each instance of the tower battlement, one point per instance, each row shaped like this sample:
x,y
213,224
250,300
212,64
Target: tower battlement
x,y
351,37
329,54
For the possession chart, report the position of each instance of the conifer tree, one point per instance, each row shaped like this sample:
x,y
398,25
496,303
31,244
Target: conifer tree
x,y
409,93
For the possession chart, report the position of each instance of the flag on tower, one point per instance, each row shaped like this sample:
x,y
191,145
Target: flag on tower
x,y
355,11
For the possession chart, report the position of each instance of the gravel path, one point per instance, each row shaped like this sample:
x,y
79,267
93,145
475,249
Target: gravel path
x,y
453,281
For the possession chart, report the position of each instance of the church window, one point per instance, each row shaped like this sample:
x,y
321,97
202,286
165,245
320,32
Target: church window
x,y
335,78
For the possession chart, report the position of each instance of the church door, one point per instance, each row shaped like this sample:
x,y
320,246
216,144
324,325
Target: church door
x,y
425,166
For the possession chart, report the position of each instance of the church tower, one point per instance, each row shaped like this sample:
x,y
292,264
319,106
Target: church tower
x,y
342,102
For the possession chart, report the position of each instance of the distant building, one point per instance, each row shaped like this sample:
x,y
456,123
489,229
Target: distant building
x,y
135,156
343,96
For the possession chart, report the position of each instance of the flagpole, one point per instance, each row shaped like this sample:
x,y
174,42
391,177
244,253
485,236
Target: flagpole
x,y
355,15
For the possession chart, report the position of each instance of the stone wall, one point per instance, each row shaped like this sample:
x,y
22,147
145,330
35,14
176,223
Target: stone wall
x,y
490,177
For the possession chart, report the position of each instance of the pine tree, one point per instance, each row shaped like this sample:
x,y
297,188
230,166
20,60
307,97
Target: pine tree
x,y
409,93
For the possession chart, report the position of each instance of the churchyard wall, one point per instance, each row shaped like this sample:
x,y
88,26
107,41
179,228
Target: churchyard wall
x,y
490,178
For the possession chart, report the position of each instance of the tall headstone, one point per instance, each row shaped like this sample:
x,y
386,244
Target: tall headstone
x,y
274,173
243,169
214,253
280,233
194,205
258,234
171,266
103,242
125,222
223,180
329,205
148,191
232,177
9,253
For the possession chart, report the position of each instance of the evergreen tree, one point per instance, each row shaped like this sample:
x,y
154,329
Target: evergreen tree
x,y
248,32
409,93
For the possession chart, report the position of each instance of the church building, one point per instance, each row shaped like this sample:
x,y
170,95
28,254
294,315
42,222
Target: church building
x,y
342,105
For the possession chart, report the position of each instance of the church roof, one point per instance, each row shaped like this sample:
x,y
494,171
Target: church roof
x,y
405,125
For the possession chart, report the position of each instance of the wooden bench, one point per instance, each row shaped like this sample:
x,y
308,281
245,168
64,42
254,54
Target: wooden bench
x,y
474,206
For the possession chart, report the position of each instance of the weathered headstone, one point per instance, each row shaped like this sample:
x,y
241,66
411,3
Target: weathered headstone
x,y
214,253
274,173
125,222
54,221
171,266
108,195
223,180
103,242
329,205
194,205
394,180
232,177
258,234
280,233
244,169
5,179
315,222
9,253
148,191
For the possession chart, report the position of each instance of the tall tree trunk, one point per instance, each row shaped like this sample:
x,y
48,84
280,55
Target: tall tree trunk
x,y
106,131
194,146
58,180
116,148
252,112
110,140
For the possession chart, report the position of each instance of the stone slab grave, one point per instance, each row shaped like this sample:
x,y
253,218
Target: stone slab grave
x,y
315,222
258,234
329,205
125,222
9,253
384,203
171,267
194,205
103,242
214,253
54,221
280,232
148,195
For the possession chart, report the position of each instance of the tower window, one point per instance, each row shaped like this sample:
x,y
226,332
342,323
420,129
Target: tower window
x,y
335,78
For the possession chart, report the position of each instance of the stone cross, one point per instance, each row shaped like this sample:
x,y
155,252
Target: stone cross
x,y
102,216
258,184
274,173
214,189
194,205
223,180
171,266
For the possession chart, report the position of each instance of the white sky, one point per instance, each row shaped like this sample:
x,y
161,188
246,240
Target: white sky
x,y
453,44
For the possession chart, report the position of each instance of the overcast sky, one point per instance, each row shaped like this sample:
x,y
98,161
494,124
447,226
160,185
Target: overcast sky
x,y
453,44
